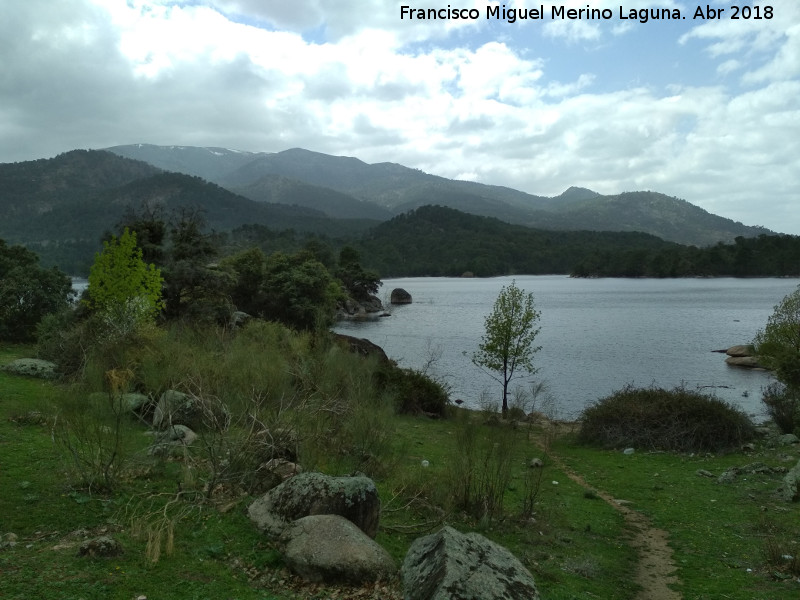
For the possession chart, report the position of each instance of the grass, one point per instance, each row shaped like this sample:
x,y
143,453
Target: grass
x,y
575,544
719,532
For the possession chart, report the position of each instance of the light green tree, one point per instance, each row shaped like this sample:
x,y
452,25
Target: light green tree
x,y
122,285
506,347
778,344
778,348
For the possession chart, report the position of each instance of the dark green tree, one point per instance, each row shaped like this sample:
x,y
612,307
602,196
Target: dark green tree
x,y
359,282
295,290
506,347
195,289
151,231
28,292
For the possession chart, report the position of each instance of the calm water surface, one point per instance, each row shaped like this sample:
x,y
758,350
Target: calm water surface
x,y
597,335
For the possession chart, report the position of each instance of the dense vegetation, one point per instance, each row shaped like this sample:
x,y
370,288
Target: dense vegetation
x,y
439,241
762,256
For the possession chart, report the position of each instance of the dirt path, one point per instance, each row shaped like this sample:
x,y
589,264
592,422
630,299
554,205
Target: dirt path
x,y
656,567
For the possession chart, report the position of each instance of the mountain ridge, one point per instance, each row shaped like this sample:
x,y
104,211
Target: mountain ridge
x,y
396,188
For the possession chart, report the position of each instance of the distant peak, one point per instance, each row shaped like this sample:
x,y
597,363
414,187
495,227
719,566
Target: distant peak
x,y
577,193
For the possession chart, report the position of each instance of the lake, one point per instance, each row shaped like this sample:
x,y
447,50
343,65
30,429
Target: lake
x,y
597,335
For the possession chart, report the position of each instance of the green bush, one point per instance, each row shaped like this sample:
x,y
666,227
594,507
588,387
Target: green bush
x,y
657,419
414,392
783,407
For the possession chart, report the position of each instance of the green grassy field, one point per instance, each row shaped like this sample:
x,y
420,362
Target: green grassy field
x,y
727,539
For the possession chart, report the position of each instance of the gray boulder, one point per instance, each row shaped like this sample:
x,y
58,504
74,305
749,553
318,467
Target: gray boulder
x,y
282,468
104,546
400,296
354,498
32,367
177,408
172,439
790,488
748,362
449,565
134,402
740,350
362,346
331,549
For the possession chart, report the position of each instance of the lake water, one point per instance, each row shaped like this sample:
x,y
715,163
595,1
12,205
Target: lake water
x,y
597,335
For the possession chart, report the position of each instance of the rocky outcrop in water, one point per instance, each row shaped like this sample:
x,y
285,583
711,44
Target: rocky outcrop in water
x,y
400,296
742,356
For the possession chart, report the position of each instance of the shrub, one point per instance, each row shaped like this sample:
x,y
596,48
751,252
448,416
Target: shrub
x,y
658,419
783,406
415,392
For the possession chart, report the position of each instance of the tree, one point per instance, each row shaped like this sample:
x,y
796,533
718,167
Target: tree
x,y
507,343
360,283
296,290
778,344
122,285
28,292
195,289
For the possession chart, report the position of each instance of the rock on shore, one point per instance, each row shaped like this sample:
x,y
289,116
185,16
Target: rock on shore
x,y
742,356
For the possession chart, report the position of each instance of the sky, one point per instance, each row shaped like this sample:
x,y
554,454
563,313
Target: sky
x,y
703,109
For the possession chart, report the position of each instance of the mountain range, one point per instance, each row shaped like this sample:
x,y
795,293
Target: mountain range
x,y
379,191
61,206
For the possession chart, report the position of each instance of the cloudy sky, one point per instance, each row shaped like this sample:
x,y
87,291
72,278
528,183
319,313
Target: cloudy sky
x,y
707,110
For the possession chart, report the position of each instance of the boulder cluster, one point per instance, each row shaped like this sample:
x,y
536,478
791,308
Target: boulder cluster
x,y
325,528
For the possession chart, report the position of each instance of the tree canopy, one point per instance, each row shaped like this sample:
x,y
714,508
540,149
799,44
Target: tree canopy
x,y
778,344
121,284
28,292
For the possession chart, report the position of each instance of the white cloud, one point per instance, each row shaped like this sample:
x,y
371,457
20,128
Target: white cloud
x,y
102,72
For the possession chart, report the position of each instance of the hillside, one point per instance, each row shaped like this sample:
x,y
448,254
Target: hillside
x,y
384,189
649,212
61,207
440,241
277,189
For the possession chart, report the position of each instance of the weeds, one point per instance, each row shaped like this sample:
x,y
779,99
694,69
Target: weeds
x,y
481,468
781,554
95,434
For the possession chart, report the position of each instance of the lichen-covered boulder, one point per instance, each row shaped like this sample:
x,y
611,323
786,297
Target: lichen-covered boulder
x,y
331,549
449,565
354,497
31,367
790,487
